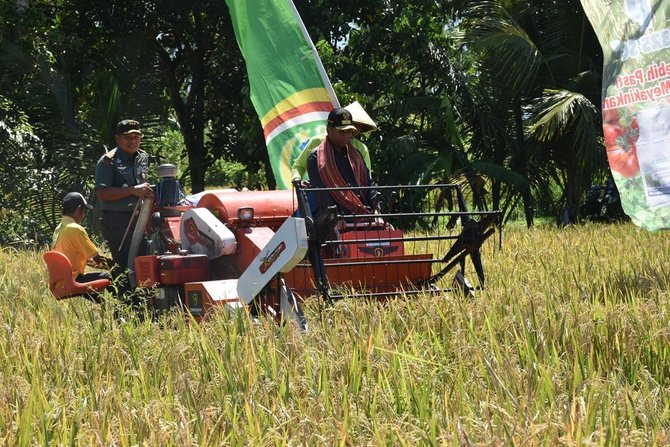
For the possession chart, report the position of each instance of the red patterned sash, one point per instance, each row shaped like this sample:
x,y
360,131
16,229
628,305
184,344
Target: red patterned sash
x,y
332,178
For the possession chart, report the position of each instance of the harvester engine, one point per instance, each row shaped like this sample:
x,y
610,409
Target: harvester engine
x,y
228,251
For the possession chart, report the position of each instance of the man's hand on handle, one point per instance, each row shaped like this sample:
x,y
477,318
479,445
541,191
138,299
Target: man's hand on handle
x,y
143,190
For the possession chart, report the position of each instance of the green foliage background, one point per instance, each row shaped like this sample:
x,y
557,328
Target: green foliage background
x,y
502,97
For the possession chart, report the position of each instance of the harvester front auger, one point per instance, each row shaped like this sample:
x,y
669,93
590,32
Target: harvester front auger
x,y
396,250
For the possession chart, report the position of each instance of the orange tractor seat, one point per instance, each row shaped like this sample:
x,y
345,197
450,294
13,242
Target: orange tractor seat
x,y
61,282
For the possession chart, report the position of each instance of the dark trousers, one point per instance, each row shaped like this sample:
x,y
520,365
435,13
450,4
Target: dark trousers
x,y
94,295
114,225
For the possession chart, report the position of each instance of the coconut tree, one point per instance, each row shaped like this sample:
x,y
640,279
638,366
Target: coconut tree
x,y
540,63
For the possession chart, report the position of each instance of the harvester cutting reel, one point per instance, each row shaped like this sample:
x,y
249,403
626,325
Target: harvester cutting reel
x,y
395,248
467,244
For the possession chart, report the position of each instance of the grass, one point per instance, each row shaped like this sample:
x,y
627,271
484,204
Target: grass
x,y
568,345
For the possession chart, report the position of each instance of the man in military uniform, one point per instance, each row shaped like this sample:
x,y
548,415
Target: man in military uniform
x,y
121,180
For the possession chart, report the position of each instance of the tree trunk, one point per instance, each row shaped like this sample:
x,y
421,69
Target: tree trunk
x,y
523,167
269,175
190,111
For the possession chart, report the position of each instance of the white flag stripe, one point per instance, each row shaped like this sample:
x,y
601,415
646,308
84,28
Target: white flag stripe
x,y
301,119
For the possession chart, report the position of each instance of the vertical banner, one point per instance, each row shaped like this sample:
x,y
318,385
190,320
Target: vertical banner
x,y
635,39
289,88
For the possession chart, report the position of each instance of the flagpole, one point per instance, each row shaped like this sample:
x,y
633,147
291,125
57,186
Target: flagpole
x,y
317,59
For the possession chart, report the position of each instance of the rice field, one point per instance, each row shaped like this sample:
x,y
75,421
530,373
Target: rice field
x,y
568,345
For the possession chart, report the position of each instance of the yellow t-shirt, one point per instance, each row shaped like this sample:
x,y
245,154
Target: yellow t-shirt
x,y
299,166
72,240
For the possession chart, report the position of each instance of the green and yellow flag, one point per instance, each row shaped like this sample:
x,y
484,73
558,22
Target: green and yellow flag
x,y
635,38
289,87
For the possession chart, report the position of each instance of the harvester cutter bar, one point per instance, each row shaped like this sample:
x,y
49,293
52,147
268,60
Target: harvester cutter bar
x,y
430,291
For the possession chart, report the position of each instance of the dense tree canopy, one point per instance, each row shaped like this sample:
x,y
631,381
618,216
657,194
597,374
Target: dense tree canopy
x,y
501,96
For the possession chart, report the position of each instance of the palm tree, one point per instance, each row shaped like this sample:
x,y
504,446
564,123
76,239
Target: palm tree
x,y
533,99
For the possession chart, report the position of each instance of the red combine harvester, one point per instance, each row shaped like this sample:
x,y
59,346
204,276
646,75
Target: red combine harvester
x,y
247,248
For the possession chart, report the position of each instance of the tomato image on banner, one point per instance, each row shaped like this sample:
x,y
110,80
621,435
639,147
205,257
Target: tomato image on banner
x,y
621,134
636,103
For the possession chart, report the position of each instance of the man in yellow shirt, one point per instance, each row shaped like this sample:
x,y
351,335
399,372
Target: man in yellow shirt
x,y
363,124
71,239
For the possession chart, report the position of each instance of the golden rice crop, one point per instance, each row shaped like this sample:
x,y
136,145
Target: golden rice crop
x,y
569,344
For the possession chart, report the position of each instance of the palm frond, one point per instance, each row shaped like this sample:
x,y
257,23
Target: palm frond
x,y
491,30
560,111
502,174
